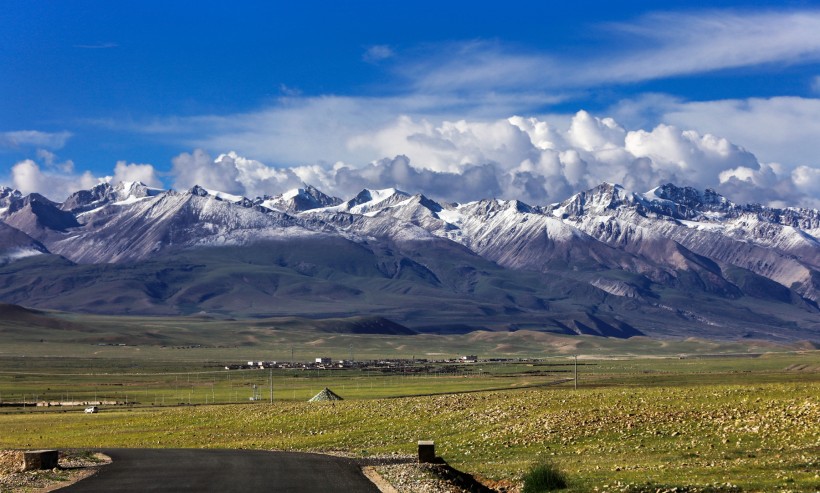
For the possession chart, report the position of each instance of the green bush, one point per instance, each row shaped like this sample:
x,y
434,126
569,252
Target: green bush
x,y
543,476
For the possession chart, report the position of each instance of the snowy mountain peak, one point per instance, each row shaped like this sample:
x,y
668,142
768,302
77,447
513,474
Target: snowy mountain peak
x,y
121,193
199,191
602,200
9,192
375,196
135,189
300,199
690,197
519,206
7,195
292,194
607,242
224,196
369,200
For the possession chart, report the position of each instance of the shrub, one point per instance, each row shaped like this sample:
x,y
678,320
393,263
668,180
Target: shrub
x,y
543,476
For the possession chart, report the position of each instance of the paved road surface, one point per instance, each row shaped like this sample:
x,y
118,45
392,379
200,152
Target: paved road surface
x,y
247,471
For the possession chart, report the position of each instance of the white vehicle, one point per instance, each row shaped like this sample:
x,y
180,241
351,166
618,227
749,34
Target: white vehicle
x,y
91,409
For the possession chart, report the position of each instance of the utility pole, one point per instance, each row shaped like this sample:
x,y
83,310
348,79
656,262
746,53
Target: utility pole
x,y
576,372
271,385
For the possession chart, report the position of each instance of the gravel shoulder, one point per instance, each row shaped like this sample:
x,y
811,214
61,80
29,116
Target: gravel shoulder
x,y
396,473
74,465
403,474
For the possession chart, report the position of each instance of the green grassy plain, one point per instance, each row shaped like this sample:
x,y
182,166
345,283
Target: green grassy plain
x,y
647,412
751,422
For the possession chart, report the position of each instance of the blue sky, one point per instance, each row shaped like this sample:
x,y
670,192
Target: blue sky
x,y
417,95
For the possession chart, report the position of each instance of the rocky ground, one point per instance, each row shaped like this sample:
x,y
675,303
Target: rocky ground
x,y
74,466
395,473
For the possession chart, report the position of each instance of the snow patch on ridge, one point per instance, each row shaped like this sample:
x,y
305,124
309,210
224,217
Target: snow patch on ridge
x,y
292,194
18,253
130,200
229,197
451,216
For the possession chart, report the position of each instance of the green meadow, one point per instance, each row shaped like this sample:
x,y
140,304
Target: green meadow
x,y
633,424
646,415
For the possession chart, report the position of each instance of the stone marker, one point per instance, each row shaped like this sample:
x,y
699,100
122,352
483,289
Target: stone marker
x,y
40,459
427,452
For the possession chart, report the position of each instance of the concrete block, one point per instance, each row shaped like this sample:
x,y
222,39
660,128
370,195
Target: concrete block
x,y
40,459
427,452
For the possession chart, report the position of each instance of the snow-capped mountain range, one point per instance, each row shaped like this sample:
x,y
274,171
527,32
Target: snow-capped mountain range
x,y
671,250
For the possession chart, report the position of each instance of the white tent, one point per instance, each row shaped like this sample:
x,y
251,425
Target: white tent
x,y
326,395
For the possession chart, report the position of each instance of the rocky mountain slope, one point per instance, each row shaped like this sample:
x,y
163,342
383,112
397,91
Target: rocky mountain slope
x,y
607,261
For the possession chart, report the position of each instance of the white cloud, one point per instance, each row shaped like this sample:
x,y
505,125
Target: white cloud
x,y
377,53
144,173
779,129
686,155
532,159
33,138
538,161
480,66
525,158
198,168
58,180
595,134
299,130
28,177
654,46
442,118
807,180
49,160
482,81
691,43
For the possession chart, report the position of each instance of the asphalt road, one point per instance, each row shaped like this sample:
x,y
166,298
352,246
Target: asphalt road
x,y
171,470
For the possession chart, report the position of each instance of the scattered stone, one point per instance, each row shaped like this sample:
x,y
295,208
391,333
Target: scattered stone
x,y
72,466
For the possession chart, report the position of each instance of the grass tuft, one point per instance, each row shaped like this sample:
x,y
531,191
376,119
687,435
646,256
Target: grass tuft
x,y
544,476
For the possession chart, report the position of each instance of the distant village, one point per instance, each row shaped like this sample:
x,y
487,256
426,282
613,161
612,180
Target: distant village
x,y
378,365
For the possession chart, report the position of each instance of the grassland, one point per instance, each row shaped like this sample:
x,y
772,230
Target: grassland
x,y
647,412
632,425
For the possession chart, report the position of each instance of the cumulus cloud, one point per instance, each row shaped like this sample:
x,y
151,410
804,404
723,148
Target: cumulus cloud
x,y
299,130
57,180
772,184
807,180
28,177
524,158
144,173
481,80
33,138
782,129
780,132
532,159
198,168
686,155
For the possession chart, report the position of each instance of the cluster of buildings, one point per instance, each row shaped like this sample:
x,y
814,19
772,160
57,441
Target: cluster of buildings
x,y
326,363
